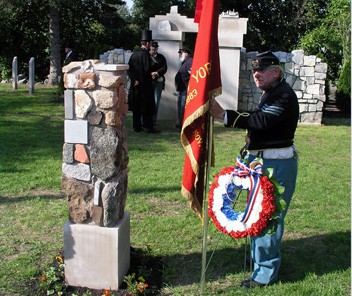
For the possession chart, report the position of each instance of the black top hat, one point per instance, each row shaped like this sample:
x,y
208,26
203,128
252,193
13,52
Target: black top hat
x,y
185,49
147,35
264,60
155,44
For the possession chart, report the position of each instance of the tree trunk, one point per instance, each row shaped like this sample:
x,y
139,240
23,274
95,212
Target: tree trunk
x,y
54,35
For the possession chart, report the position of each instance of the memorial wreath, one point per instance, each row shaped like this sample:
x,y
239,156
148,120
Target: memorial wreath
x,y
264,202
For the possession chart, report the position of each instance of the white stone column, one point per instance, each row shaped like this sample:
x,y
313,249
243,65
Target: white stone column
x,y
231,31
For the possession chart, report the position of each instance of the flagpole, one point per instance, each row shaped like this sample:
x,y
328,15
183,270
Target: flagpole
x,y
205,201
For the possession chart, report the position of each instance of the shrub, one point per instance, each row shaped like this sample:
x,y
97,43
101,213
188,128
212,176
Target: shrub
x,y
5,69
343,93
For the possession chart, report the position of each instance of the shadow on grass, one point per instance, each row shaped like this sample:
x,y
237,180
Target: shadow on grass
x,y
45,195
333,116
319,254
40,135
342,121
155,190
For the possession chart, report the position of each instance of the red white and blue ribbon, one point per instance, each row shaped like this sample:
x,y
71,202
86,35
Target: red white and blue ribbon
x,y
260,203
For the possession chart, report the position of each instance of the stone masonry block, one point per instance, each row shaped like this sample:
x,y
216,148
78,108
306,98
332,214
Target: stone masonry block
x,y
70,80
321,68
83,103
313,89
113,119
69,104
95,117
67,153
97,257
86,80
79,199
78,171
81,154
110,81
307,71
289,68
298,57
104,154
309,61
113,197
121,102
105,99
76,131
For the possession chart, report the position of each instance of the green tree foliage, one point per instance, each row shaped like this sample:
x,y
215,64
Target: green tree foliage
x,y
331,37
91,26
343,94
95,26
275,24
144,9
272,24
22,34
320,27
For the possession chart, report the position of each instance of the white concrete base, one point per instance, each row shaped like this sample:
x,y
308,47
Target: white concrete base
x,y
97,257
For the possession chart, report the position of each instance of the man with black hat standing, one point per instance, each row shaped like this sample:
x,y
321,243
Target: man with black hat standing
x,y
270,133
159,68
181,81
141,97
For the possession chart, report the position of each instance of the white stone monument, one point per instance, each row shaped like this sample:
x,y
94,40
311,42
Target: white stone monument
x,y
169,30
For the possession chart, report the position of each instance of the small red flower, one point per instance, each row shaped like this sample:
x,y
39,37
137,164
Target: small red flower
x,y
106,292
142,287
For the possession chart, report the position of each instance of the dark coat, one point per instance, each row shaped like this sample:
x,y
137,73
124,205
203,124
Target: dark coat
x,y
183,74
71,58
273,123
141,97
159,64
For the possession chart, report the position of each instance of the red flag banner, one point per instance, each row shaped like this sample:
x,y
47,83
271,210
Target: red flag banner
x,y
204,84
198,12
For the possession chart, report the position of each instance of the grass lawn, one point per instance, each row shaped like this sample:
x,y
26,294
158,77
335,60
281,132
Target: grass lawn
x,y
317,244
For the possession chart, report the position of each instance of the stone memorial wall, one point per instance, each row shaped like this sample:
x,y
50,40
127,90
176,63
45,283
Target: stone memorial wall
x,y
305,74
95,155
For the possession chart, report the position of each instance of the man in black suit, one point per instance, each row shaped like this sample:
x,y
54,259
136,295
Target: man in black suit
x,y
141,96
70,55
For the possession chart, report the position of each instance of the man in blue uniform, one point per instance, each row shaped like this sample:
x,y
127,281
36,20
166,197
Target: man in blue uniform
x,y
270,134
181,81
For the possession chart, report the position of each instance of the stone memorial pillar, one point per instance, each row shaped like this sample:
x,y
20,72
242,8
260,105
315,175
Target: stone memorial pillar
x,y
14,72
97,235
31,76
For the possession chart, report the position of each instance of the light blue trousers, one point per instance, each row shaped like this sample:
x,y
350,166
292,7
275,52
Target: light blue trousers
x,y
266,249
